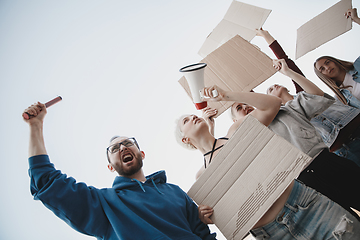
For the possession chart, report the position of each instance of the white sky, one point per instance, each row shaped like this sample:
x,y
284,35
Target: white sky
x,y
115,63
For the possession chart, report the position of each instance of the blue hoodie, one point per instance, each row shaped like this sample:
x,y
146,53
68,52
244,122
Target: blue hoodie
x,y
129,210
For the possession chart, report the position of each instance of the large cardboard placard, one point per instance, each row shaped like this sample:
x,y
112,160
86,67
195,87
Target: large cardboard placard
x,y
323,28
242,19
235,66
246,177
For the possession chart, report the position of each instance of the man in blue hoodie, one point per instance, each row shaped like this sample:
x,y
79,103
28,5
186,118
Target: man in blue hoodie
x,y
136,207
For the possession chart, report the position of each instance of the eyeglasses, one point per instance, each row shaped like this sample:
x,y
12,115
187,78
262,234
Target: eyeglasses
x,y
127,143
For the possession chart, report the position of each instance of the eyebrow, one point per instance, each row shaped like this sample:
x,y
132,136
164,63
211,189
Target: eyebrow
x,y
119,142
325,62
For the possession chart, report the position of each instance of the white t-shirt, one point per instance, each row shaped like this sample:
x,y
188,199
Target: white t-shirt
x,y
355,86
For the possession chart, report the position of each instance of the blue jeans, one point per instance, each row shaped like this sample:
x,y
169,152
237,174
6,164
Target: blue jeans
x,y
308,214
350,151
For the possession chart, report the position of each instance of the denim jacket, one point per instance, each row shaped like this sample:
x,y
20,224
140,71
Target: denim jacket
x,y
355,72
333,119
338,115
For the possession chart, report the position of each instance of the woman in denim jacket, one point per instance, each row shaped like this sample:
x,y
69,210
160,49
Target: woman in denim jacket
x,y
339,75
337,125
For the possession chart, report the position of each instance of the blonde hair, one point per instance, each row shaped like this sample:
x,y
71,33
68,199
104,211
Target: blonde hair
x,y
345,65
179,135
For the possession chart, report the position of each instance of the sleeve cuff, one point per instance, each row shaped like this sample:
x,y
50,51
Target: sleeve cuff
x,y
38,160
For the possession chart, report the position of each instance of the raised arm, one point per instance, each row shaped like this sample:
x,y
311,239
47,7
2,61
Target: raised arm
x,y
266,106
280,54
36,143
266,35
208,115
306,84
77,203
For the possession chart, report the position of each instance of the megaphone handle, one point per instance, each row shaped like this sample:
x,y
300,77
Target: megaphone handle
x,y
214,93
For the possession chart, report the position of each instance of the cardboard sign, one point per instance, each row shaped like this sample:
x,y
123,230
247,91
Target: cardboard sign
x,y
241,19
247,176
236,66
322,28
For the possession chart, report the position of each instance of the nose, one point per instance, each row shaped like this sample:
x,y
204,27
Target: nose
x,y
122,147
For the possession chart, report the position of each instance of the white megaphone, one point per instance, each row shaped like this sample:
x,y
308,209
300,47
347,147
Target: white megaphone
x,y
194,75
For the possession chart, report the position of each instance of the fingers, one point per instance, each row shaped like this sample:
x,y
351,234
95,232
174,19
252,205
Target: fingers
x,y
277,64
208,91
348,13
280,65
352,13
205,213
260,32
214,93
209,112
34,110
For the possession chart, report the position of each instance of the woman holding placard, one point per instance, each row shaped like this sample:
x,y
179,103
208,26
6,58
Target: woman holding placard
x,y
342,77
300,208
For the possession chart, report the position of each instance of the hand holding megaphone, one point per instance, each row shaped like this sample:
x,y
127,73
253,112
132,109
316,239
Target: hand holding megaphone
x,y
213,93
194,75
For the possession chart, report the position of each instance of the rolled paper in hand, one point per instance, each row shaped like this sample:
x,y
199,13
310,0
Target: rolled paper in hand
x,y
48,104
52,102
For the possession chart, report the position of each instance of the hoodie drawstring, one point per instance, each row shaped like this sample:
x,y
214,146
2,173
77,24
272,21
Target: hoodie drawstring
x,y
142,188
152,179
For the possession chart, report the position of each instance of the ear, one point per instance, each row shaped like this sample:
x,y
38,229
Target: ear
x,y
111,168
142,154
185,140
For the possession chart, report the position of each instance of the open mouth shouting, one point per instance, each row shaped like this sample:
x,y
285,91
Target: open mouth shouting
x,y
249,110
127,157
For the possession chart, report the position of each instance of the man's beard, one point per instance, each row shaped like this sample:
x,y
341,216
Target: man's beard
x,y
133,169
